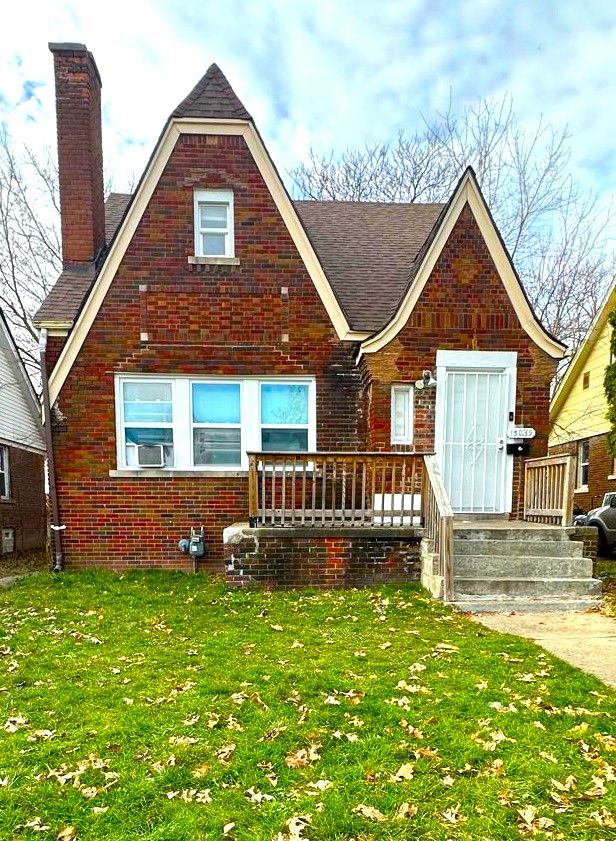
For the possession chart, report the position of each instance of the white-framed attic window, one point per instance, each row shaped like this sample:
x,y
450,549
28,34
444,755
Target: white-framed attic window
x,y
402,414
214,234
5,485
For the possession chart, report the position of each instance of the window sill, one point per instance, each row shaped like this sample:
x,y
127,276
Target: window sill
x,y
213,261
581,490
171,472
7,499
613,476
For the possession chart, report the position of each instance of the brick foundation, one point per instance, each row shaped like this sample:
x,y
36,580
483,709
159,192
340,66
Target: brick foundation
x,y
316,557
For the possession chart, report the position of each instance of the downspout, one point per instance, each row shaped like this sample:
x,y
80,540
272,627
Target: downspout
x,y
56,528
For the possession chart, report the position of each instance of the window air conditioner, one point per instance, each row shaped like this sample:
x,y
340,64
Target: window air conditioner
x,y
150,455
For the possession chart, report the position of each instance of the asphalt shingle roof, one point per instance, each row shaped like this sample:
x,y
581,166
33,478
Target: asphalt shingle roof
x,y
212,98
367,251
65,298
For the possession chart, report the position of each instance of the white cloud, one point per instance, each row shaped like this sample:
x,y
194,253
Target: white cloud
x,y
332,73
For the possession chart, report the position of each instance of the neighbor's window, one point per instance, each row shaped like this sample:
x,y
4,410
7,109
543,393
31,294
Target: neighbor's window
x,y
147,413
4,472
284,417
214,223
583,461
217,428
402,414
211,424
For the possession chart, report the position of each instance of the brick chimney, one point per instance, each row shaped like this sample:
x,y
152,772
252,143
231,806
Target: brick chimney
x,y
80,153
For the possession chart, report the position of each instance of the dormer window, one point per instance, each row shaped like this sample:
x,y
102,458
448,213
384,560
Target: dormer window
x,y
214,223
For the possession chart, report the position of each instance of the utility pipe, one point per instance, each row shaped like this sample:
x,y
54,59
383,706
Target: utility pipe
x,y
56,527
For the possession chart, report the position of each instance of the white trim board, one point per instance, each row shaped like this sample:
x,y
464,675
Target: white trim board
x,y
467,193
138,206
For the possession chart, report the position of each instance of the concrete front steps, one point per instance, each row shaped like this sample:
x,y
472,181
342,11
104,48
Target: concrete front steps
x,y
504,569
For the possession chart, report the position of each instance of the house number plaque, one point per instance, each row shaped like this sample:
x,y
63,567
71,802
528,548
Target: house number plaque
x,y
520,432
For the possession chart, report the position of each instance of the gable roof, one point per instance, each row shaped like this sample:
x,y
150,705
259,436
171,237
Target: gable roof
x,y
212,98
20,415
467,192
583,352
358,292
366,249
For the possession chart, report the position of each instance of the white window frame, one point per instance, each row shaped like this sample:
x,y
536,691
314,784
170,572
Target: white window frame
x,y
581,464
123,424
250,415
214,197
263,426
198,425
406,389
4,471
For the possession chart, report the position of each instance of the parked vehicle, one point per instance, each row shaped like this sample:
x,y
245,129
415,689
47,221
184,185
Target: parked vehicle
x,y
604,518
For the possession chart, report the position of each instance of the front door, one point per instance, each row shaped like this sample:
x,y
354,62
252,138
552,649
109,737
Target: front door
x,y
475,405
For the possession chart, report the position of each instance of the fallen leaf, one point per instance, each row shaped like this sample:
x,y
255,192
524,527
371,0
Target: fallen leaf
x,y
370,813
406,810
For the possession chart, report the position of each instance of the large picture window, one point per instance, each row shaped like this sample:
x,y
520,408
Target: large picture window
x,y
210,424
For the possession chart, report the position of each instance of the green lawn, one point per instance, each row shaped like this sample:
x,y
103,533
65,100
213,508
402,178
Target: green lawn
x,y
162,706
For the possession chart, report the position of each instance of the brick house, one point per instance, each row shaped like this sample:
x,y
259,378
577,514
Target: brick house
x,y
578,420
23,513
207,316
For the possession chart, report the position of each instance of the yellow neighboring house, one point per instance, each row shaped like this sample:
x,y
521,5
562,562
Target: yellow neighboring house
x,y
578,421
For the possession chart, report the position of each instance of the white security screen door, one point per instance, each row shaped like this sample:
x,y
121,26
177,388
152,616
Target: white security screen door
x,y
473,409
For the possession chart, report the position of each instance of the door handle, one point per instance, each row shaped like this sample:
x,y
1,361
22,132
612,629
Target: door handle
x,y
500,443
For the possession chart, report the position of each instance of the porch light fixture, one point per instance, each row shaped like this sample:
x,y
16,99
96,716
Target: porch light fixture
x,y
427,380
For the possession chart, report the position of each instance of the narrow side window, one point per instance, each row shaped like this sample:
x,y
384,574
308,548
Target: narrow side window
x,y
402,414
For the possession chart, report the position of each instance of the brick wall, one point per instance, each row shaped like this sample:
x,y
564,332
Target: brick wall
x,y
237,321
299,557
600,467
201,320
464,306
25,511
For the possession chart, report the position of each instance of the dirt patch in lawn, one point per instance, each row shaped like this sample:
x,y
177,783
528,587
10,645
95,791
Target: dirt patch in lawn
x,y
22,563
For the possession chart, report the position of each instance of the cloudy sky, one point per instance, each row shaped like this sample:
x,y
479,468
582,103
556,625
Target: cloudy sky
x,y
331,73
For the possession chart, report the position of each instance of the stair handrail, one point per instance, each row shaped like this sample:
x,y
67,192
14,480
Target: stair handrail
x,y
437,518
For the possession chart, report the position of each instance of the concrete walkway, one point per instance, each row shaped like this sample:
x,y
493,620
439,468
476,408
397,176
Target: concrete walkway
x,y
584,639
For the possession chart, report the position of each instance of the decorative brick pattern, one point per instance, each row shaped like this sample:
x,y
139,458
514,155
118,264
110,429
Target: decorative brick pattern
x,y
464,306
299,557
25,511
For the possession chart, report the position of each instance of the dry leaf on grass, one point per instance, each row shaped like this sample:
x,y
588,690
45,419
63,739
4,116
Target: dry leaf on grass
x,y
225,753
370,813
406,810
69,833
303,757
404,772
453,814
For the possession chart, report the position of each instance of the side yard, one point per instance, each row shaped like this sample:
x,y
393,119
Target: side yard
x,y
161,706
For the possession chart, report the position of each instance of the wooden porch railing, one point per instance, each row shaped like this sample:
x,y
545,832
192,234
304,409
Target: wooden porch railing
x,y
548,490
437,517
335,489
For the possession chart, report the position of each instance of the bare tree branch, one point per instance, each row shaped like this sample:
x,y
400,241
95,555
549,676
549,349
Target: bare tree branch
x,y
561,241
